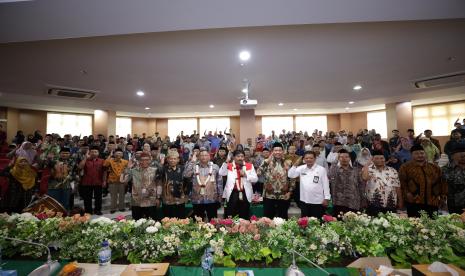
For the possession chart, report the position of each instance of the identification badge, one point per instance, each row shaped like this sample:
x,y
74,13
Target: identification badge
x,y
202,191
240,196
316,179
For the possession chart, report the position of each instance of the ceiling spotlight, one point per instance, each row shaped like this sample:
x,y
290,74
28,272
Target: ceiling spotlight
x,y
245,90
140,93
244,55
357,87
280,104
347,108
351,102
295,109
147,108
211,106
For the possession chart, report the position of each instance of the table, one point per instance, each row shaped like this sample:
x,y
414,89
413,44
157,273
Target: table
x,y
26,267
220,271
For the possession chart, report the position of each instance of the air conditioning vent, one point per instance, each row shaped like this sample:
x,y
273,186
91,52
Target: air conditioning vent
x,y
445,80
71,93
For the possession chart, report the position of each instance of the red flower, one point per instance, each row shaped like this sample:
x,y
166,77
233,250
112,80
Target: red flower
x,y
303,222
226,222
253,218
328,218
213,221
42,216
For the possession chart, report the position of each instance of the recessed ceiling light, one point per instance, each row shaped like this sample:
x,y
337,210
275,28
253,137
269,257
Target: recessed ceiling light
x,y
140,93
280,104
244,55
245,90
347,108
147,108
351,102
211,106
357,87
295,109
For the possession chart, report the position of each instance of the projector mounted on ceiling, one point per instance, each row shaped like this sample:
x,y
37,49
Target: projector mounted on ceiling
x,y
456,79
245,102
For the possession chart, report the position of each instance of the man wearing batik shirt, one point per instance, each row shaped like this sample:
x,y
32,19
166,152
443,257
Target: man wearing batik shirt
x,y
238,188
454,175
146,188
277,188
116,165
175,187
383,186
59,177
347,185
423,187
207,185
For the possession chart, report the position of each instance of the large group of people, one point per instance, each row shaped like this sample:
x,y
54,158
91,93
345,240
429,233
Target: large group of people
x,y
343,170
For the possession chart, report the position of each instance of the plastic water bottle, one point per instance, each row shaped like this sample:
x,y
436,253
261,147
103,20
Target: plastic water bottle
x,y
104,255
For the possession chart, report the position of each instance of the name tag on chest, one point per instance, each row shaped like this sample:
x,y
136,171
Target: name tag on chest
x,y
316,179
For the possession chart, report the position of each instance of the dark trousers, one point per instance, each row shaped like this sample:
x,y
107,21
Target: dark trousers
x,y
456,210
144,212
374,210
87,193
413,210
238,207
296,194
257,187
275,208
337,210
174,211
312,210
210,209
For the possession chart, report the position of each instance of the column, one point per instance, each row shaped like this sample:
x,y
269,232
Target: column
x,y
399,116
12,123
247,125
104,122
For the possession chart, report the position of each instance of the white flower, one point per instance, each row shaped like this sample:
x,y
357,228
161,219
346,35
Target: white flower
x,y
313,247
278,221
151,229
158,225
102,220
140,222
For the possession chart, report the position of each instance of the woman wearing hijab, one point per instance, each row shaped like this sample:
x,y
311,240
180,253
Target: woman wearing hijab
x,y
19,138
21,182
364,158
27,152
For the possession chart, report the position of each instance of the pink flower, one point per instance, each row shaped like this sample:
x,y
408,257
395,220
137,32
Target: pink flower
x,y
256,237
120,218
303,222
253,218
213,221
235,229
328,218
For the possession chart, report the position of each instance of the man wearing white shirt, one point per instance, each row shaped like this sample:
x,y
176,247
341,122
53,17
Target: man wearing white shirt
x,y
314,186
238,189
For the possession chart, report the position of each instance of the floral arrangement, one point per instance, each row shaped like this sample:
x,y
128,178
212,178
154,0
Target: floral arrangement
x,y
183,241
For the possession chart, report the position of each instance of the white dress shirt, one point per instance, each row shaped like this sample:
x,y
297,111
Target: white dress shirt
x,y
314,183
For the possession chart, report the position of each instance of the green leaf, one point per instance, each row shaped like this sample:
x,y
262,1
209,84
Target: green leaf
x,y
275,254
265,251
228,262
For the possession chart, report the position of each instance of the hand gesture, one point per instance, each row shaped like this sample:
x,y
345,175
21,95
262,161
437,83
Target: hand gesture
x,y
130,163
162,159
88,154
228,159
298,161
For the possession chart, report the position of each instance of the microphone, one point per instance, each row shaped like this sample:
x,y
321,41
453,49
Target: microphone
x,y
293,270
46,269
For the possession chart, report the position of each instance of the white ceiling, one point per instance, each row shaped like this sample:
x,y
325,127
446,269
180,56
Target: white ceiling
x,y
310,67
58,19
